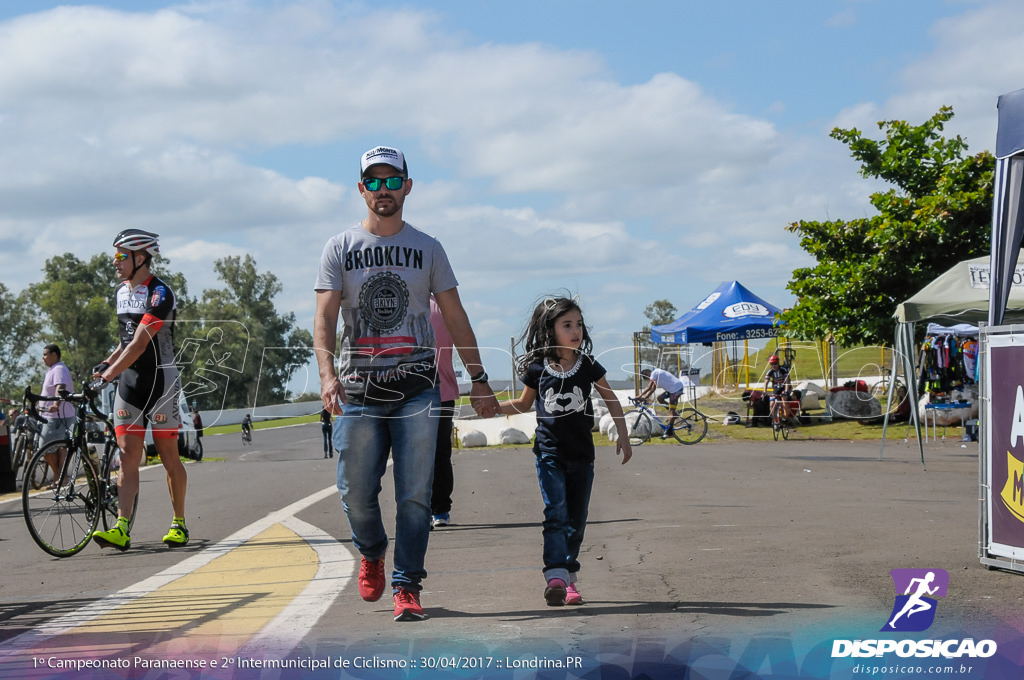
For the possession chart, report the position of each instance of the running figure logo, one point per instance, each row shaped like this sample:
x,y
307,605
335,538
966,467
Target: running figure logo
x,y
914,609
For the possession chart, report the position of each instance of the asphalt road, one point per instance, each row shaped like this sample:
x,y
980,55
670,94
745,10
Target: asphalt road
x,y
718,543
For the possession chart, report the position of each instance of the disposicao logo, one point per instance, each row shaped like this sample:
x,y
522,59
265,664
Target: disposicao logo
x,y
916,590
914,611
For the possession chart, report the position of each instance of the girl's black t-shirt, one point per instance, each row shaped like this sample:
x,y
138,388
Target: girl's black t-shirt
x,y
565,413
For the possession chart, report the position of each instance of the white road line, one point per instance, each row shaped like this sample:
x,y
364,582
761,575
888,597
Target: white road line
x,y
326,589
285,632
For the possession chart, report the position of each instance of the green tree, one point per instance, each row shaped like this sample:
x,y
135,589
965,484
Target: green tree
x,y
937,211
19,329
661,312
237,350
77,300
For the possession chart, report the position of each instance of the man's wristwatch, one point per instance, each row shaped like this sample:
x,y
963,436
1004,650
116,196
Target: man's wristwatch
x,y
480,377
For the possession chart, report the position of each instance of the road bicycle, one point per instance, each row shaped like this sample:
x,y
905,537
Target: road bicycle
x,y
688,426
25,434
246,437
63,508
780,425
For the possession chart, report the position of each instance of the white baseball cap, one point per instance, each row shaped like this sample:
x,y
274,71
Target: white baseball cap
x,y
387,155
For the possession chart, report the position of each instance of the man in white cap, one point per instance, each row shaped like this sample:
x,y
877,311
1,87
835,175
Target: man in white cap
x,y
378,277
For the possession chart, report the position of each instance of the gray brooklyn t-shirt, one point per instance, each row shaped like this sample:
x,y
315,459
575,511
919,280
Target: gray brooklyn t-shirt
x,y
387,343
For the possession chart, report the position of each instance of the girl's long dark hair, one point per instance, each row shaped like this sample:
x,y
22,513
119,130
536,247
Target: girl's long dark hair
x,y
538,340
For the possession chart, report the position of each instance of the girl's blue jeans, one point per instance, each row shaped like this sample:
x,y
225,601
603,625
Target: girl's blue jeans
x,y
565,487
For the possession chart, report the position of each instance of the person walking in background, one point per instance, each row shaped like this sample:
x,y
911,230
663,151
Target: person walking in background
x,y
327,429
444,475
247,428
377,278
558,372
149,387
197,422
59,415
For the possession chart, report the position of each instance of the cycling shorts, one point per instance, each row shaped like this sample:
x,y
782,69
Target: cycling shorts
x,y
153,401
671,397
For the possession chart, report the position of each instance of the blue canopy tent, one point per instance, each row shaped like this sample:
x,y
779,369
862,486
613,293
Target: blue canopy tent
x,y
731,312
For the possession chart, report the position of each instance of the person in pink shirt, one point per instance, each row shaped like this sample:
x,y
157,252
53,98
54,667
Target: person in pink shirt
x,y
444,476
59,415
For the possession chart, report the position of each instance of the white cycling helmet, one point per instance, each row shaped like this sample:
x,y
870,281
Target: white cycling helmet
x,y
136,240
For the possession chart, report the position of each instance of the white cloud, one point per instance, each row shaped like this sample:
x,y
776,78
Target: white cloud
x,y
539,170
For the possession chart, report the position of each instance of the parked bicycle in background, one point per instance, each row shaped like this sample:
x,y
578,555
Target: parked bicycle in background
x,y
25,432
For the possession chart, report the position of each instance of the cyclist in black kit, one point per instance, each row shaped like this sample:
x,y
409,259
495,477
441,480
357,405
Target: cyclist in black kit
x,y
149,386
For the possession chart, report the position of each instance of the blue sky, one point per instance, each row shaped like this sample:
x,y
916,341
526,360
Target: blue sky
x,y
626,152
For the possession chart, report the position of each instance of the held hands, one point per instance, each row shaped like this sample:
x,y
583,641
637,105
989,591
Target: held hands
x,y
482,398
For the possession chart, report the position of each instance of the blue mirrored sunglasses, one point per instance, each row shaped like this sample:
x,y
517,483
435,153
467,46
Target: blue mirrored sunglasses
x,y
392,183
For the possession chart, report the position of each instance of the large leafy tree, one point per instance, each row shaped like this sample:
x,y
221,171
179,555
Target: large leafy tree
x,y
237,351
76,297
936,212
77,300
20,325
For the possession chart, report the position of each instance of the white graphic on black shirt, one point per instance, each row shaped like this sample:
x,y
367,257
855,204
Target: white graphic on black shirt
x,y
573,401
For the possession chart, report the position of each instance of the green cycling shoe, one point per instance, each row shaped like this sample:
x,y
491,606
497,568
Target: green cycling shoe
x,y
177,535
113,538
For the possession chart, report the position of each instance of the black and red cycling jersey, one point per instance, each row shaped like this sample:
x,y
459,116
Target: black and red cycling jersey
x,y
778,380
151,303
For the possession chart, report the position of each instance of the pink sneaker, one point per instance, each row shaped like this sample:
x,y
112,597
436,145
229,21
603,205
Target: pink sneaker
x,y
572,596
554,594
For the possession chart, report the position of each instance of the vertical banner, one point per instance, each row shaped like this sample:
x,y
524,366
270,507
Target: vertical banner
x,y
1004,446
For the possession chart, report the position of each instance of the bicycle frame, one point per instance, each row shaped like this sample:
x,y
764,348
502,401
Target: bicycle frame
x,y
686,425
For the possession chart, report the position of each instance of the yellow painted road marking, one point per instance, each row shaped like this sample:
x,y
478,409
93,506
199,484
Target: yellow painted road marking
x,y
258,591
224,602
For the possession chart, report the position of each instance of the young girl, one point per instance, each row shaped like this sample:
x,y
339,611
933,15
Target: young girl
x,y
558,372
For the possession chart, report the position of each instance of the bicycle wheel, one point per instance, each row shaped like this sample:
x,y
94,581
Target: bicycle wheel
x,y
110,493
784,427
61,519
18,453
641,429
689,426
776,426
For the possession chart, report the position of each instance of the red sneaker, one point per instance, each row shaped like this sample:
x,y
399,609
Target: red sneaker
x,y
407,606
371,579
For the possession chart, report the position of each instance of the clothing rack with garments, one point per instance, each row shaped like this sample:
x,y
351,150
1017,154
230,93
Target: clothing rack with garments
x,y
948,359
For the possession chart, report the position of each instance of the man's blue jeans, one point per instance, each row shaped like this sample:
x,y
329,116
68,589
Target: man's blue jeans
x,y
363,437
565,487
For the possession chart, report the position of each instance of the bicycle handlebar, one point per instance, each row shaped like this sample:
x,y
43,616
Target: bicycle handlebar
x,y
87,397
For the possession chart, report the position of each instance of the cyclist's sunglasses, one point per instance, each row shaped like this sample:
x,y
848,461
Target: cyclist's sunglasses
x,y
120,257
392,183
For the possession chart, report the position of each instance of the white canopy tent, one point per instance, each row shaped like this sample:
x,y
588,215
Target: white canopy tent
x,y
958,296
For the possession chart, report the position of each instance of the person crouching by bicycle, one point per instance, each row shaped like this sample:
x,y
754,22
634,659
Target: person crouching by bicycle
x,y
778,386
672,388
149,386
